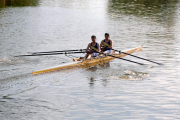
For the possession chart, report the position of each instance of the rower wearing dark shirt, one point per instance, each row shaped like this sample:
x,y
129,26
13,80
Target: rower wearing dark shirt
x,y
92,48
106,45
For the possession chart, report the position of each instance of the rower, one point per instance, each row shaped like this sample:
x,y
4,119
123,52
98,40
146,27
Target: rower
x,y
106,45
92,47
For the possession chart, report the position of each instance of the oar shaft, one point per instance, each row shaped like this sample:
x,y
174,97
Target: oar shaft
x,y
48,54
58,51
138,57
121,58
127,60
143,58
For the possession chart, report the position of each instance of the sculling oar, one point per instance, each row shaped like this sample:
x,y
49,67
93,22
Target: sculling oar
x,y
58,51
121,58
138,57
48,54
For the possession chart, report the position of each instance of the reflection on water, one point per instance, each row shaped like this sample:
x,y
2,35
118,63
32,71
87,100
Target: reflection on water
x,y
18,3
154,21
92,85
161,11
105,65
92,82
93,68
145,8
102,65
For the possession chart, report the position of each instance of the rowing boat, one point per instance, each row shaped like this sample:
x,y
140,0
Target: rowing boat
x,y
88,62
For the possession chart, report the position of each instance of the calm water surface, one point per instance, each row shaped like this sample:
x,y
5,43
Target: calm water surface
x,y
123,90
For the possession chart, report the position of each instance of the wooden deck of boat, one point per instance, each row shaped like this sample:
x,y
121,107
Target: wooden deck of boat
x,y
88,62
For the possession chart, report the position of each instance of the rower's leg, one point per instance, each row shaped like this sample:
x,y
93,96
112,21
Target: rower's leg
x,y
109,52
86,56
99,55
92,55
89,56
105,52
112,51
95,54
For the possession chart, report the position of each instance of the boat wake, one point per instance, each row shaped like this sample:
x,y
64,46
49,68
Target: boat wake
x,y
6,83
12,61
133,75
129,75
4,59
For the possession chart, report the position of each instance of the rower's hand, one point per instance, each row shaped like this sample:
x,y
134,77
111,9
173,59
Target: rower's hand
x,y
103,48
89,51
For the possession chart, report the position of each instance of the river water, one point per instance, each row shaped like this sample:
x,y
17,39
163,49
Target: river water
x,y
123,90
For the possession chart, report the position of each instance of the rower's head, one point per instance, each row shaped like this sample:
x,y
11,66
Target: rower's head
x,y
106,35
93,37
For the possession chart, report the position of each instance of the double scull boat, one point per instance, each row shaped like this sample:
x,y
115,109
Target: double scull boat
x,y
85,63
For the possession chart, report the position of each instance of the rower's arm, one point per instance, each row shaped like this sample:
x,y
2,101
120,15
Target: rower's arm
x,y
111,44
98,47
101,44
88,47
